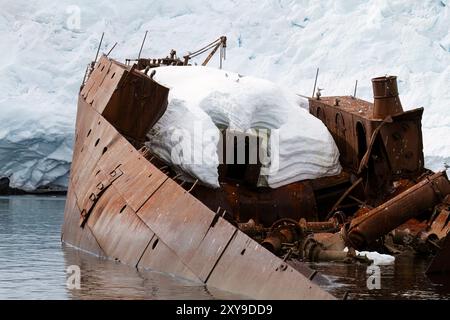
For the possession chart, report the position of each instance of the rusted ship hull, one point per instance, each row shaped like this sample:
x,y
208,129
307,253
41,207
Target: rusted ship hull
x,y
121,206
125,204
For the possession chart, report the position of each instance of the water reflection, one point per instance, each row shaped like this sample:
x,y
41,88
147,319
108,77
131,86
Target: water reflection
x,y
106,279
33,261
33,265
405,279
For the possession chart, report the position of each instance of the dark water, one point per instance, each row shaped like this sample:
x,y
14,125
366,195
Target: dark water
x,y
33,262
405,279
33,265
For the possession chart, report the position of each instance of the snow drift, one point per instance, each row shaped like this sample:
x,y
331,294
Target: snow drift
x,y
45,46
202,99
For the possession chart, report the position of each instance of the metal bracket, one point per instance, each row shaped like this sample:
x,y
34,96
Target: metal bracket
x,y
436,190
95,195
365,158
144,151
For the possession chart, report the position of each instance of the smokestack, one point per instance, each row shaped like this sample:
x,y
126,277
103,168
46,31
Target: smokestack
x,y
386,100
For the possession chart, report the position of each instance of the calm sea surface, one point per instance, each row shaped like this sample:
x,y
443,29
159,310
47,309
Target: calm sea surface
x,y
33,261
33,265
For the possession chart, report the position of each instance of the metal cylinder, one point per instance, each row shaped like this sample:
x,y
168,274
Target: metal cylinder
x,y
273,243
386,99
332,255
393,213
275,240
331,225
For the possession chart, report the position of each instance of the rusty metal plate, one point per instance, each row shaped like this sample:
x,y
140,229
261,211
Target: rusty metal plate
x,y
441,262
87,117
403,142
96,185
329,182
253,271
211,248
100,139
81,178
140,180
117,228
265,206
128,99
70,233
89,243
108,153
135,105
102,136
96,78
116,154
99,74
90,180
105,141
73,235
358,107
84,154
80,127
441,225
114,76
158,256
83,129
172,208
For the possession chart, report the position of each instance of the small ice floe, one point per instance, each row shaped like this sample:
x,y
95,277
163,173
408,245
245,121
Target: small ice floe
x,y
377,258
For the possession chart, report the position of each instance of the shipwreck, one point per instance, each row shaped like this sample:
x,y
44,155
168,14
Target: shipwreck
x,y
126,203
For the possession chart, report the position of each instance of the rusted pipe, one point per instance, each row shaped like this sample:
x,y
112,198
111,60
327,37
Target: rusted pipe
x,y
332,255
386,100
331,225
379,221
275,240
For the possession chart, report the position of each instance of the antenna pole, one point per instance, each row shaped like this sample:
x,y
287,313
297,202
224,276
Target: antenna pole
x,y
99,45
115,44
356,87
142,45
315,83
92,64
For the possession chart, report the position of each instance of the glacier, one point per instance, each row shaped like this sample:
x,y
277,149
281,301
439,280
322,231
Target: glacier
x,y
46,45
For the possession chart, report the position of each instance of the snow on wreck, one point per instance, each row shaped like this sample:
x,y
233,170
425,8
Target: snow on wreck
x,y
207,107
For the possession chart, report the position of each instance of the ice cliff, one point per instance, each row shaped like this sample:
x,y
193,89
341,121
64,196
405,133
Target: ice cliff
x,y
45,46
